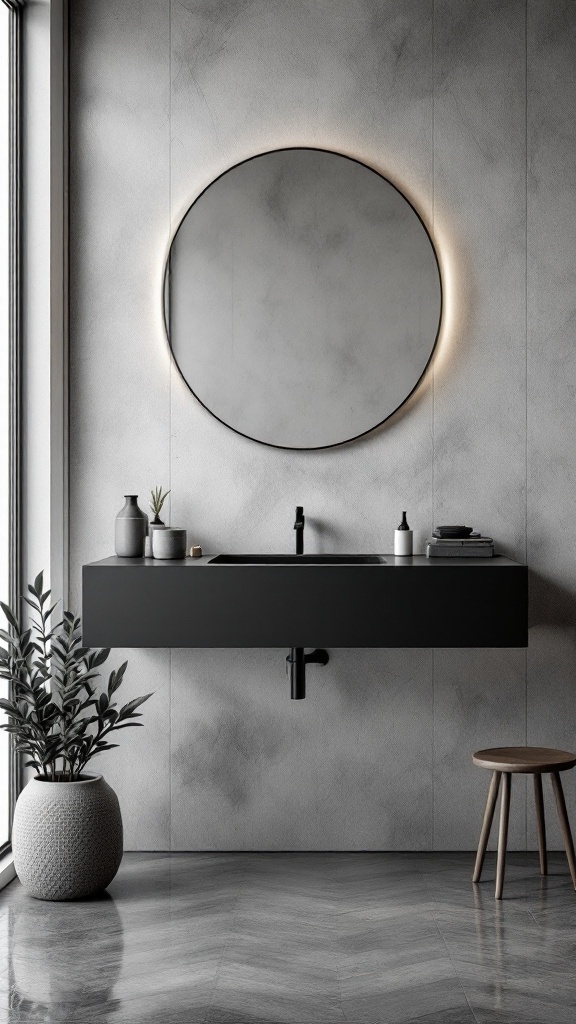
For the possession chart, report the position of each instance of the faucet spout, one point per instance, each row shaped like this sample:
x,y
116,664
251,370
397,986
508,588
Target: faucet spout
x,y
299,527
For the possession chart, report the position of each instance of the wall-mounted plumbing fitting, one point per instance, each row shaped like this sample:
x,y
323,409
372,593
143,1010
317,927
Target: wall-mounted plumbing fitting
x,y
296,665
299,527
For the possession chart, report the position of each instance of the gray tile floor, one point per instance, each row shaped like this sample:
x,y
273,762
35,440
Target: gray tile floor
x,y
296,939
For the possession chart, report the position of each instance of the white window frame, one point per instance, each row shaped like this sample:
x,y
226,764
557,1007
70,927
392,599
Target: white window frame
x,y
14,356
39,310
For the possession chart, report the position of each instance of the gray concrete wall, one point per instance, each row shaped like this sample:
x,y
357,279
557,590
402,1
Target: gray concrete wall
x,y
468,107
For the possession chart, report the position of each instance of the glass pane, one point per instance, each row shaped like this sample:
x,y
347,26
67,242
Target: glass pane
x,y
4,394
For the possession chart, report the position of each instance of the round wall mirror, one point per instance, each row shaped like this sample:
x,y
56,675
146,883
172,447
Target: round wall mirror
x,y
303,298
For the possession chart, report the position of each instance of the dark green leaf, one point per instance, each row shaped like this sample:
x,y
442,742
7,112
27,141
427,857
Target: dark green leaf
x,y
116,678
133,704
10,617
9,707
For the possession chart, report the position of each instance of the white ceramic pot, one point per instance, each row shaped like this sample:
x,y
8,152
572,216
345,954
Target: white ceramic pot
x,y
148,549
67,837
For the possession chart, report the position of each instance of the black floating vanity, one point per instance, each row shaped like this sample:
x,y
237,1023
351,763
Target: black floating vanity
x,y
306,601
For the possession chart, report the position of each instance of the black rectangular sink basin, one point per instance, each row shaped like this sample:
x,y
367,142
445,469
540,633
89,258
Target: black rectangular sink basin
x,y
297,560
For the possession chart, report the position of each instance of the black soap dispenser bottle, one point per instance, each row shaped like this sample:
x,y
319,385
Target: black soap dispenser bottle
x,y
403,538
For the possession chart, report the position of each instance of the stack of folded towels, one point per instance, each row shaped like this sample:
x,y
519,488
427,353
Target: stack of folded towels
x,y
459,542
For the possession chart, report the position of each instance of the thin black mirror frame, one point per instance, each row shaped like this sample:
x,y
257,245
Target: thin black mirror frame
x,y
166,302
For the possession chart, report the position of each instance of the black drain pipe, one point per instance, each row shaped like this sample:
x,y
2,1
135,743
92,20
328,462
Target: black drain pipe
x,y
296,663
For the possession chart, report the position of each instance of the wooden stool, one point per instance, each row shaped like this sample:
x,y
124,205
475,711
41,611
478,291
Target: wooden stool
x,y
506,761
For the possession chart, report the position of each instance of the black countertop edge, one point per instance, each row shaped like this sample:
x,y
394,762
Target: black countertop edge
x,y
392,561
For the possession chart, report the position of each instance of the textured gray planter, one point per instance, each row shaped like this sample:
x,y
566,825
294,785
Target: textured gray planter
x,y
67,837
169,543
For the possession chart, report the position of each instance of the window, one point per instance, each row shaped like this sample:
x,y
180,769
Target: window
x,y
9,27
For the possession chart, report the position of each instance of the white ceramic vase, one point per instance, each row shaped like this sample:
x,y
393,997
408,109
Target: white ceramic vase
x,y
67,837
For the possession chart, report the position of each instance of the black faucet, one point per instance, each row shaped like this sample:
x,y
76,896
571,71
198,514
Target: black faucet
x,y
299,527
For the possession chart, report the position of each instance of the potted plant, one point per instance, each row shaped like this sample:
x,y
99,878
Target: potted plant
x,y
67,829
157,499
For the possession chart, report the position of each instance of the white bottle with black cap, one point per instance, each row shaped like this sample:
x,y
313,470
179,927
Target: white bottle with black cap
x,y
403,538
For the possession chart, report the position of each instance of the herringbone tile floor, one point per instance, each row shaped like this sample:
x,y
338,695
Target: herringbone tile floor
x,y
296,939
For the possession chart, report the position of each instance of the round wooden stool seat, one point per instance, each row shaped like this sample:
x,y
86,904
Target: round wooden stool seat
x,y
524,760
504,762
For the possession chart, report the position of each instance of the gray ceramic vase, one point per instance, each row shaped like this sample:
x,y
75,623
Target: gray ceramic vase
x,y
67,837
131,529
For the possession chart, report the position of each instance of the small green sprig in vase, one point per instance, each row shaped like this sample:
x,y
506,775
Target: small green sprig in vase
x,y
157,499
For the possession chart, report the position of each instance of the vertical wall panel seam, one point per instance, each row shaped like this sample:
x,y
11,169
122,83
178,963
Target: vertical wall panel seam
x,y
57,56
526,372
433,419
170,408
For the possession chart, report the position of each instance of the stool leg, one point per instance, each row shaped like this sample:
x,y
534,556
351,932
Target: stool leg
x,y
503,834
539,800
564,824
486,824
